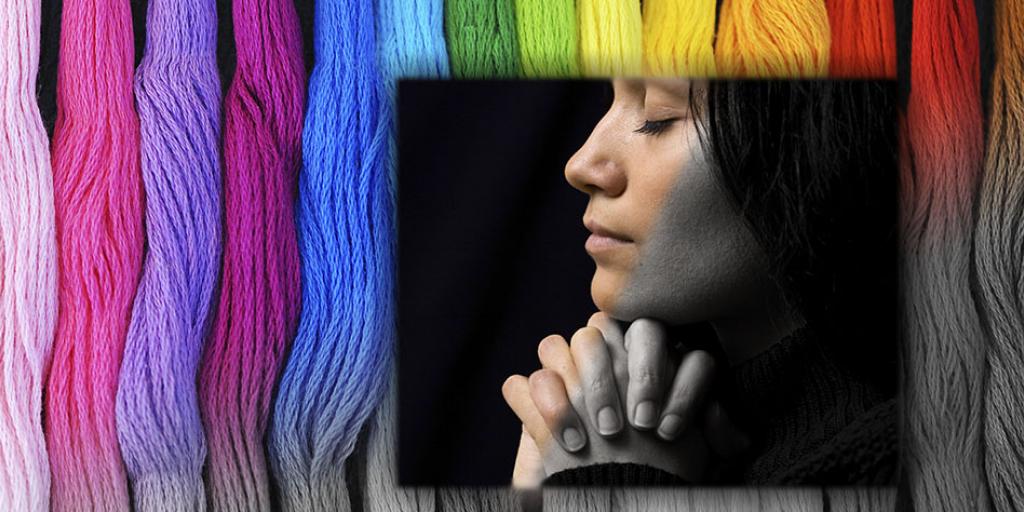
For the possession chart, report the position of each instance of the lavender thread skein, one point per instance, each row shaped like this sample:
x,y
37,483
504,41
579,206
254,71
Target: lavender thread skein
x,y
178,96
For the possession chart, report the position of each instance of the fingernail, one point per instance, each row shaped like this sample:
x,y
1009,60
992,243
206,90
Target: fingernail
x,y
607,421
573,439
670,427
646,415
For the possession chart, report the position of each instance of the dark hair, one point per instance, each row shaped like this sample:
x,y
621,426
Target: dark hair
x,y
813,167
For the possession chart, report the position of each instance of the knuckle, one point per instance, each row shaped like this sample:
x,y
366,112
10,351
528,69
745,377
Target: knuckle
x,y
645,377
684,397
541,377
599,386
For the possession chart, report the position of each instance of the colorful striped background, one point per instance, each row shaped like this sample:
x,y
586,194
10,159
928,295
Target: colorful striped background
x,y
196,287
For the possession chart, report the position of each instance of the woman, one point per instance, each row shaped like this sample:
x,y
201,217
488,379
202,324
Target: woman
x,y
768,211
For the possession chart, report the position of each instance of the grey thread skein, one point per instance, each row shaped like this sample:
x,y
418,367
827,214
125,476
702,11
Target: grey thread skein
x,y
178,96
999,256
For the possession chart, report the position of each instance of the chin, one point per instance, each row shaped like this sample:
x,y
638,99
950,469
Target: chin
x,y
606,289
627,302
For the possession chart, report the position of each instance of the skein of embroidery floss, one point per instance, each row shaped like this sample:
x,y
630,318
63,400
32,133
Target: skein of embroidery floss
x,y
999,251
611,37
773,39
98,200
259,300
679,38
410,44
548,38
178,96
28,264
863,39
339,364
482,38
943,350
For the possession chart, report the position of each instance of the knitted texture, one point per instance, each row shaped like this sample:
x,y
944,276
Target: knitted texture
x,y
799,401
259,299
999,250
863,38
548,39
613,475
865,452
482,38
611,37
679,38
773,39
178,97
339,362
98,200
943,348
28,264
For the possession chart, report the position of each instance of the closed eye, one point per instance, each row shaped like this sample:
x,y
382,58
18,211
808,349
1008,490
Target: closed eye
x,y
656,128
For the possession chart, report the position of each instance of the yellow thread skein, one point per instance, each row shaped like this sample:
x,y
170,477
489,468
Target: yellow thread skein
x,y
773,39
611,38
679,38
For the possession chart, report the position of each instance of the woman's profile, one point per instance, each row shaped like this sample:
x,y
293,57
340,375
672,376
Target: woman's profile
x,y
767,211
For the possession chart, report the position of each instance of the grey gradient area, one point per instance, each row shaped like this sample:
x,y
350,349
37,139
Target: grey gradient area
x,y
700,261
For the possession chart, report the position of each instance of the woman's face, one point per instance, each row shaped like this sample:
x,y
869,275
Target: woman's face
x,y
667,239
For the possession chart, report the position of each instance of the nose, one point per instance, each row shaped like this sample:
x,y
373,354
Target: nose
x,y
597,167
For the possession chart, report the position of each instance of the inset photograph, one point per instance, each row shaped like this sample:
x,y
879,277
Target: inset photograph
x,y
645,282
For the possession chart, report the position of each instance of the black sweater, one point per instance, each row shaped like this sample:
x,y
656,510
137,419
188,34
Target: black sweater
x,y
813,422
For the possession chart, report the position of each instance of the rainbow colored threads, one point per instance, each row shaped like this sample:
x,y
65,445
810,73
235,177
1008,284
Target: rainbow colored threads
x,y
340,362
679,38
259,301
98,198
28,265
482,38
773,39
944,349
179,100
548,38
611,37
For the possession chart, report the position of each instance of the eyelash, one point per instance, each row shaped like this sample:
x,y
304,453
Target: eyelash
x,y
656,128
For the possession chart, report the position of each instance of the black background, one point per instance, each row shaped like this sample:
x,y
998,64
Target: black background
x,y
491,260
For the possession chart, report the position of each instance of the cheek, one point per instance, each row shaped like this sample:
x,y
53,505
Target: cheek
x,y
699,261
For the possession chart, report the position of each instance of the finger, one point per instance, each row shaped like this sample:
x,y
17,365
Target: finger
x,y
554,354
689,394
722,435
609,328
551,400
590,354
516,391
528,472
615,340
648,354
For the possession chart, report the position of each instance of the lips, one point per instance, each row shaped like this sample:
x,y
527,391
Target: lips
x,y
602,238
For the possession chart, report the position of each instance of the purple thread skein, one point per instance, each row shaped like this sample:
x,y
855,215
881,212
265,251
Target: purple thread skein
x,y
178,97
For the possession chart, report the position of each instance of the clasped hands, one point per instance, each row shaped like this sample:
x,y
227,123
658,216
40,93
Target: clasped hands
x,y
610,396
